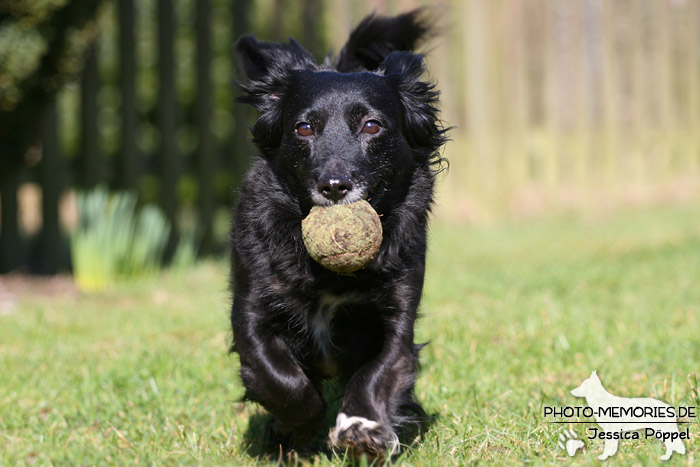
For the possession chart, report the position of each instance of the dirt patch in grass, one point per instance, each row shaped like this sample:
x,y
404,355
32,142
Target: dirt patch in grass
x,y
14,287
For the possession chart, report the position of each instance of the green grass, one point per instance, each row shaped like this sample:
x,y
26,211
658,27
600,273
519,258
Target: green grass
x,y
517,315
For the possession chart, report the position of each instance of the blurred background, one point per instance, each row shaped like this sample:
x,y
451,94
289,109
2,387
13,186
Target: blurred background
x,y
121,113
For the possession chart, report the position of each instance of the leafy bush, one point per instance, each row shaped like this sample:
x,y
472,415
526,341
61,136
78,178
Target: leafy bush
x,y
116,241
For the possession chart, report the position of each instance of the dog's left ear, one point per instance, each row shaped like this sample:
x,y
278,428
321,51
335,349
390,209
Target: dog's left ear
x,y
377,36
419,99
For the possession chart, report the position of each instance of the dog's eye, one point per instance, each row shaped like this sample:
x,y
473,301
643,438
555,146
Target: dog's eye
x,y
304,129
371,127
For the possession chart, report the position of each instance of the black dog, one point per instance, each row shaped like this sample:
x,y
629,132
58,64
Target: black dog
x,y
364,127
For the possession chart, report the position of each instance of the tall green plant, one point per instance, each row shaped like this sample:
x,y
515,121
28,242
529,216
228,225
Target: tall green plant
x,y
115,240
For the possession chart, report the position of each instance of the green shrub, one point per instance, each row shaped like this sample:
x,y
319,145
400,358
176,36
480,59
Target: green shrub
x,y
116,241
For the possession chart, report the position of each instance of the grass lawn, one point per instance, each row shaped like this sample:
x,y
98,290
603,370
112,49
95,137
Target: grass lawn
x,y
517,316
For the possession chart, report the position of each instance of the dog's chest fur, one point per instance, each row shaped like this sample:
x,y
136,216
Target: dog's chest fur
x,y
320,325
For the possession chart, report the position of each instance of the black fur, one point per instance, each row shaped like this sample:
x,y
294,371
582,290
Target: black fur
x,y
280,294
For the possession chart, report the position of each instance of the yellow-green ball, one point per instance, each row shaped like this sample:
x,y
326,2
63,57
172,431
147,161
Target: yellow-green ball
x,y
342,237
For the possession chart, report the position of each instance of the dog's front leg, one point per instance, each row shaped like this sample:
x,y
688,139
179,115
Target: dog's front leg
x,y
273,378
374,395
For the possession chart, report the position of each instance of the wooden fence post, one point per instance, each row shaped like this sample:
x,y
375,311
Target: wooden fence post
x,y
50,179
89,151
312,10
694,84
241,148
10,247
203,106
167,109
128,175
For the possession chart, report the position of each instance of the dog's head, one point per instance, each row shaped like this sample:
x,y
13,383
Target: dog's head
x,y
587,386
353,129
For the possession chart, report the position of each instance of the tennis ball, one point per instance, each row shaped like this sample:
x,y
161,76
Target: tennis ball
x,y
342,237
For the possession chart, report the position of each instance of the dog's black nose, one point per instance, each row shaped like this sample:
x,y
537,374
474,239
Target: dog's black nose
x,y
334,187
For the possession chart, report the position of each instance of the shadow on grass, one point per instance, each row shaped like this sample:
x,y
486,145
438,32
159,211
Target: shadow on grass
x,y
263,443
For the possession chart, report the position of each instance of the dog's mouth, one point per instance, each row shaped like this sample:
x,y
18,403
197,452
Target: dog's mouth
x,y
369,194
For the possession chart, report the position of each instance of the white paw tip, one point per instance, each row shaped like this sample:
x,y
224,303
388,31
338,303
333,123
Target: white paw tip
x,y
344,422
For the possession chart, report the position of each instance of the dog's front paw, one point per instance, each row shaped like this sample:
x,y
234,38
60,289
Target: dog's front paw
x,y
360,436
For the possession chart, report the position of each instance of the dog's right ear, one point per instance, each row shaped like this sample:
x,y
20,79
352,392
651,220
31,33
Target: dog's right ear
x,y
266,65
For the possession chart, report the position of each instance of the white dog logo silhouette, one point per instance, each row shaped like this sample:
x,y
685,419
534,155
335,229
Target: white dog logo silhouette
x,y
618,415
